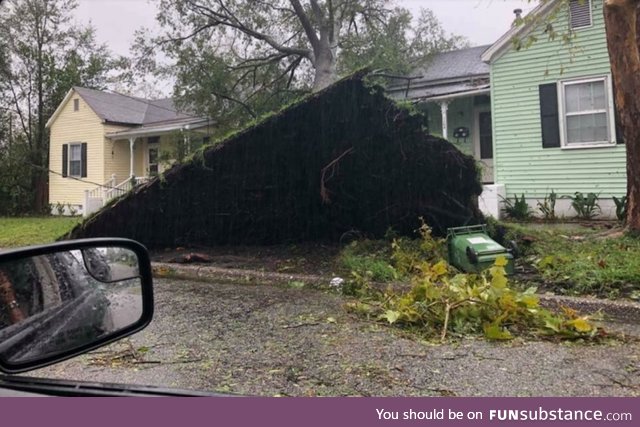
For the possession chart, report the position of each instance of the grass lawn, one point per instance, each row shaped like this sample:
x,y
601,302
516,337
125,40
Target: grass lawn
x,y
574,259
564,258
15,232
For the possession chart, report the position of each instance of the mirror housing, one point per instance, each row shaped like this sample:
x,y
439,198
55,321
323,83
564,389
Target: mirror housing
x,y
64,299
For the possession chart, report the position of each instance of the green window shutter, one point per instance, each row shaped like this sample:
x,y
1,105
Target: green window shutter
x,y
83,160
549,119
65,160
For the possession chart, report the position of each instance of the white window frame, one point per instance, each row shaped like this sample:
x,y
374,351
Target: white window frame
x,y
79,145
611,120
590,17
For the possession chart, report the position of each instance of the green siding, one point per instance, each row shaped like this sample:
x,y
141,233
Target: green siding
x,y
522,165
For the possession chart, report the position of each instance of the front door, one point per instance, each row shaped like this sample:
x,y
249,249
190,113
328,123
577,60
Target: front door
x,y
483,145
153,155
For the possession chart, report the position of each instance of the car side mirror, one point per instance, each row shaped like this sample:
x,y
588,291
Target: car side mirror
x,y
67,298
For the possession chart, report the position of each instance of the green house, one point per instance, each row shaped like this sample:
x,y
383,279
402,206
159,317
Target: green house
x,y
453,92
550,117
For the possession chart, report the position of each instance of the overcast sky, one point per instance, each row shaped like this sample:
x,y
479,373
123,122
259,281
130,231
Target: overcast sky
x,y
481,21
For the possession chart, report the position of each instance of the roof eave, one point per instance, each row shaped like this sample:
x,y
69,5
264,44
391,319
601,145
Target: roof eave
x,y
142,131
420,84
454,95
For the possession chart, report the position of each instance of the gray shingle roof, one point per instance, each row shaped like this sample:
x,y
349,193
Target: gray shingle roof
x,y
455,64
118,108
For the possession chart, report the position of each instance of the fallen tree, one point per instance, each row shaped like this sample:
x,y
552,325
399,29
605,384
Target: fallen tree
x,y
345,159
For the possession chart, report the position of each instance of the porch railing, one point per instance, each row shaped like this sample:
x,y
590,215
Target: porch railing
x,y
98,197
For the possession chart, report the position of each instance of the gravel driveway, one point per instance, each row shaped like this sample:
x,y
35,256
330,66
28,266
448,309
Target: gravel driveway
x,y
270,340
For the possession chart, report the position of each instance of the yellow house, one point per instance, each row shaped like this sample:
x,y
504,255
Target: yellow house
x,y
104,143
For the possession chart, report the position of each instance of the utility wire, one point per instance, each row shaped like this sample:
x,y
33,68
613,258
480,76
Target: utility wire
x,y
45,169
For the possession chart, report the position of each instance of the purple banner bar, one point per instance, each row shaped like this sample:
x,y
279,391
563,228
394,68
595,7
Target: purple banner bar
x,y
320,412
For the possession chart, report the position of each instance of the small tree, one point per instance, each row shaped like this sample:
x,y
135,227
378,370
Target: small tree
x,y
42,55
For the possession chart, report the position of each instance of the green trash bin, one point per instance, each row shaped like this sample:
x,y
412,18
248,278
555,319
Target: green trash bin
x,y
472,250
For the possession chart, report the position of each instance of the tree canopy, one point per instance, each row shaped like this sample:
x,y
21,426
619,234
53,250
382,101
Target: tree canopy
x,y
42,55
242,58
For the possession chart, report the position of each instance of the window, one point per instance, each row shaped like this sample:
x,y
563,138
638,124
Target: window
x,y
587,112
580,14
76,105
74,160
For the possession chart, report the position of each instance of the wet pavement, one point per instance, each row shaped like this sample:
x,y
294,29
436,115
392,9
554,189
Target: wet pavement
x,y
265,339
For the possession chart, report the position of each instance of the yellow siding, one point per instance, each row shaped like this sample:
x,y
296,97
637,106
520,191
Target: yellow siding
x,y
104,156
116,159
117,156
75,127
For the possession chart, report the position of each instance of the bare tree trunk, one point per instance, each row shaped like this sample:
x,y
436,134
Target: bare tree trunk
x,y
621,22
325,64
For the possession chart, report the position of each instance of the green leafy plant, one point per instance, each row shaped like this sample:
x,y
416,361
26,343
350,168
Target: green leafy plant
x,y
548,206
621,207
408,254
586,207
440,303
518,208
368,258
60,208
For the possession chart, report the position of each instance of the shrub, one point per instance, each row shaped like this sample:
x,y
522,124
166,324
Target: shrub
x,y
73,211
518,208
585,206
621,207
548,206
60,207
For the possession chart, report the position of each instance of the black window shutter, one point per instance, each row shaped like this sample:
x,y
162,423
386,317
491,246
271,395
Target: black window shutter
x,y
619,137
83,160
65,159
549,119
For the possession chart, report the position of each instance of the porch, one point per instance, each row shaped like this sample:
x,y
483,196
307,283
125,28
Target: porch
x,y
97,198
460,112
140,154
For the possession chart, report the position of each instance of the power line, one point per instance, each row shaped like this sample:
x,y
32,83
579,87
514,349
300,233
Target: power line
x,y
85,181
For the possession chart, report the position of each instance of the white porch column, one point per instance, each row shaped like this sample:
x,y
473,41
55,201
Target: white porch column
x,y
131,144
444,107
